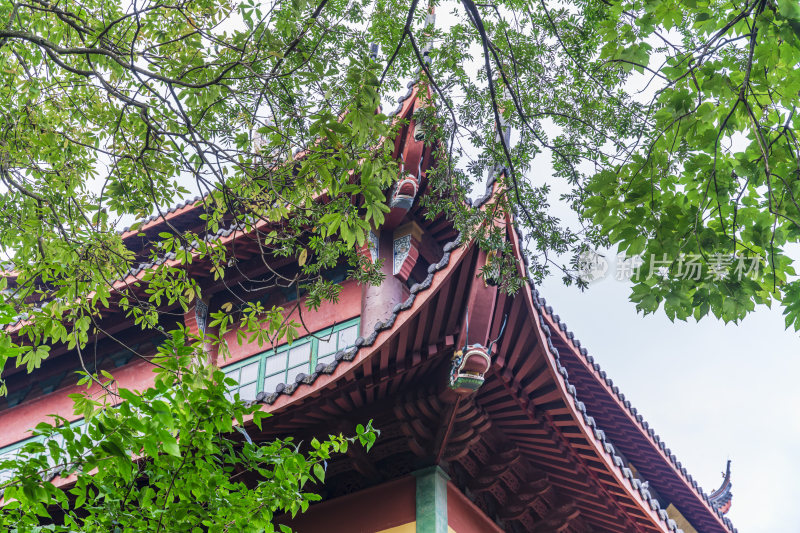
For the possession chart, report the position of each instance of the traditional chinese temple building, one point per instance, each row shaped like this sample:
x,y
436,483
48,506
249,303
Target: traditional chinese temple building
x,y
493,416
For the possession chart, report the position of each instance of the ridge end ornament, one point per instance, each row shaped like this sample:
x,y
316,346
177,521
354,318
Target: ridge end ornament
x,y
470,364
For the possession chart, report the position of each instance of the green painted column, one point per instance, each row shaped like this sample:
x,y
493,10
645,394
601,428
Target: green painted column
x,y
431,500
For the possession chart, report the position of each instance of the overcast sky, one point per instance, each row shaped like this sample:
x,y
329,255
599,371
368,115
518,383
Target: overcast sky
x,y
711,391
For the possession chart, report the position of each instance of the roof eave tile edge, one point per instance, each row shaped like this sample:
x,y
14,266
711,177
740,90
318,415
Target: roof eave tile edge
x,y
349,354
651,434
600,435
542,307
605,444
148,222
402,101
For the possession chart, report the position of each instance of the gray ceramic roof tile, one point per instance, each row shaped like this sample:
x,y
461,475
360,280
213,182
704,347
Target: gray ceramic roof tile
x,y
634,412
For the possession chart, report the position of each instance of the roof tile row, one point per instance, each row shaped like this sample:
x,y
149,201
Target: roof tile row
x,y
543,307
348,354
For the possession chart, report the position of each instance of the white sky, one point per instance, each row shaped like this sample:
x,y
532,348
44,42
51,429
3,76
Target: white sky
x,y
712,391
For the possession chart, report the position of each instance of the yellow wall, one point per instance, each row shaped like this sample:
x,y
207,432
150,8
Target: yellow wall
x,y
676,515
672,511
411,527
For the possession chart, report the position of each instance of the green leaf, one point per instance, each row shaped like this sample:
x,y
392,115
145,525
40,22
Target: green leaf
x,y
319,472
170,445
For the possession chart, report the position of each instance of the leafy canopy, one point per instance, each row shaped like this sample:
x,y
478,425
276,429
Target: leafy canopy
x,y
669,126
715,173
165,459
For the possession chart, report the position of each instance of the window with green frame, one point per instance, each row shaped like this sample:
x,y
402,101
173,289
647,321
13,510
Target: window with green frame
x,y
11,451
263,372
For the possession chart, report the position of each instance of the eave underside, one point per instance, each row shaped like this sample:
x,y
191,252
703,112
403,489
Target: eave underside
x,y
516,448
633,436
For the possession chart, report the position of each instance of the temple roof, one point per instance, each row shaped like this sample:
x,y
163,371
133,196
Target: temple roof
x,y
722,497
607,406
456,251
630,430
557,383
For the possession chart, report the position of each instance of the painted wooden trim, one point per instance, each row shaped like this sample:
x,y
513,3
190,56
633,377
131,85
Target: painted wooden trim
x,y
261,358
464,516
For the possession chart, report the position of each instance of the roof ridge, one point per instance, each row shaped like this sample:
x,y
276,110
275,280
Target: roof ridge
x,y
156,216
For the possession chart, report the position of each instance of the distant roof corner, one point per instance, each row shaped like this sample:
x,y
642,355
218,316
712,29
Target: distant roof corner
x,y
722,497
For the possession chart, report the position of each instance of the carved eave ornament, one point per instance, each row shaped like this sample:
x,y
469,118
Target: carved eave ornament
x,y
406,244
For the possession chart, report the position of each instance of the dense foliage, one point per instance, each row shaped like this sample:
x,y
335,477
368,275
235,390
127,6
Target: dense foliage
x,y
165,459
714,178
668,126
